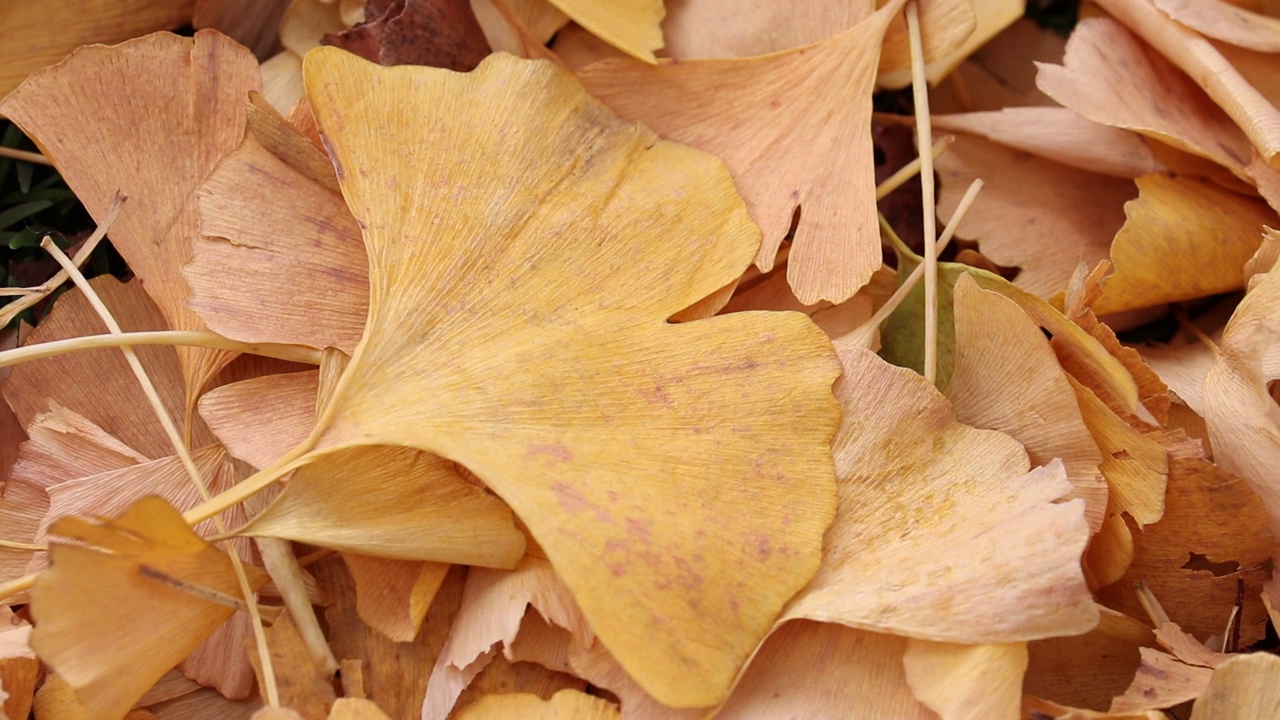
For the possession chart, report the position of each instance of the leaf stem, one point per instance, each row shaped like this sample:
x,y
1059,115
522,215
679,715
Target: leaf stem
x,y
924,139
187,338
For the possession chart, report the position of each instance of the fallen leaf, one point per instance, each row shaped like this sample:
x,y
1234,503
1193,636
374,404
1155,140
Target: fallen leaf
x,y
1087,671
1183,238
48,33
439,33
303,687
1007,378
147,560
393,596
539,18
1002,73
989,18
632,26
811,669
356,709
973,515
522,440
258,439
564,704
1238,409
251,23
1224,21
128,96
793,128
979,681
1257,117
1029,215
1058,134
1242,688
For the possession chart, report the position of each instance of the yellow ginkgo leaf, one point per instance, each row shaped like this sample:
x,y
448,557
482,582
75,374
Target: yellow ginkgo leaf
x,y
632,26
129,96
564,705
519,329
794,129
976,681
176,587
1184,238
356,709
393,596
1242,688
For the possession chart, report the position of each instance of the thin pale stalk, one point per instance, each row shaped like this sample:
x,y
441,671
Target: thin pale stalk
x,y
1151,605
186,338
25,156
1185,321
179,447
13,587
924,139
15,545
913,279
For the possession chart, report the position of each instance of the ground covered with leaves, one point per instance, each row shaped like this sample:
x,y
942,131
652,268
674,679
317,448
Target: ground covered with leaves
x,y
568,359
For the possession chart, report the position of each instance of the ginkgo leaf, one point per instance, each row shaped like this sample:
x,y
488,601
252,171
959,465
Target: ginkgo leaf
x,y
1183,238
1001,74
579,290
978,681
989,18
493,605
258,438
541,20
421,509
356,709
49,33
1238,409
1223,21
1088,670
63,445
252,23
793,129
393,596
1007,378
632,26
811,669
117,404
1058,134
307,231
128,96
1150,96
1197,57
1244,687
303,687
178,589
1029,215
972,514
566,704
439,33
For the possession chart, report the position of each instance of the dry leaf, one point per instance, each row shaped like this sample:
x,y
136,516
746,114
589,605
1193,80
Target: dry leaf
x,y
439,33
1183,238
147,560
393,596
1002,73
539,18
1060,135
1250,110
394,674
493,606
356,709
918,558
258,438
989,18
252,23
814,670
1242,688
564,705
1223,21
794,130
1029,214
41,34
1088,670
305,231
303,687
1238,409
1007,378
967,681
675,606
632,26
117,404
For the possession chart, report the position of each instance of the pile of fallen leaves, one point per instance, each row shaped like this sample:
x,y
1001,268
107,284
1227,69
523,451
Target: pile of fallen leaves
x,y
541,359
